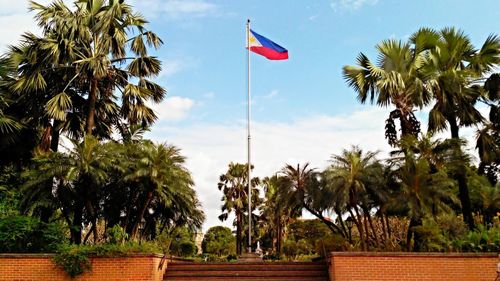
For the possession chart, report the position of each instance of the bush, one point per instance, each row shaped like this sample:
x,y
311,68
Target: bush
x,y
75,259
220,241
22,234
330,243
187,249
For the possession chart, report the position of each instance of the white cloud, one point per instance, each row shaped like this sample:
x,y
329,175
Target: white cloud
x,y
173,108
210,147
350,5
176,9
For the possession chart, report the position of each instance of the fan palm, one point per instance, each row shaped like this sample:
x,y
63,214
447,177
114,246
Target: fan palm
x,y
394,80
234,187
91,44
452,64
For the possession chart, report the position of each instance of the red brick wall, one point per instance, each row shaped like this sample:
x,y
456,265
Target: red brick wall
x,y
19,267
412,266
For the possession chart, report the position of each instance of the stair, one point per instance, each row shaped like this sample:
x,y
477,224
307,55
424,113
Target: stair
x,y
272,271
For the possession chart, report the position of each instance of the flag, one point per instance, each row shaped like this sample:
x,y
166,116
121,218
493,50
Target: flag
x,y
265,47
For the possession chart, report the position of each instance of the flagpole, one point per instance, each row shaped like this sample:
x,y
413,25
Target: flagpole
x,y
249,163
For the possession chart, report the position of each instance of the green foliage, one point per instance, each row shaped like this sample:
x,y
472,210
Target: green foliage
x,y
9,194
330,243
21,234
75,259
116,235
481,240
219,241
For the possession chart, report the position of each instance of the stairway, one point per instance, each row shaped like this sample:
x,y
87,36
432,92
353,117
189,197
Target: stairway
x,y
272,271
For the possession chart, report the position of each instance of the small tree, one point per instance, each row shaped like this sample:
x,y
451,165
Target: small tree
x,y
219,240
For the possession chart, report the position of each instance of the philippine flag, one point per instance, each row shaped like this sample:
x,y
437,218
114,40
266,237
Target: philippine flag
x,y
267,48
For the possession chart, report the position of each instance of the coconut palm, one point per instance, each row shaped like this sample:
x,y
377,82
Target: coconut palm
x,y
234,187
395,80
452,65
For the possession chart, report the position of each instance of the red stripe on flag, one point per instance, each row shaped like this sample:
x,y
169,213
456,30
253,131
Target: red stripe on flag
x,y
269,53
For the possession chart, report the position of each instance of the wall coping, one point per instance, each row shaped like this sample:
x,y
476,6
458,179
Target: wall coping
x,y
24,256
414,254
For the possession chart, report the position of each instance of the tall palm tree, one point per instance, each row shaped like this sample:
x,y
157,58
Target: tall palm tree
x,y
488,137
395,80
452,65
98,48
275,212
234,187
353,174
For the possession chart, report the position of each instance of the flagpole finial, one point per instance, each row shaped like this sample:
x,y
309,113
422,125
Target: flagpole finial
x,y
248,20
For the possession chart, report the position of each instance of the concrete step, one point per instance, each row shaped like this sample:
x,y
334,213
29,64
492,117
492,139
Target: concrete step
x,y
272,271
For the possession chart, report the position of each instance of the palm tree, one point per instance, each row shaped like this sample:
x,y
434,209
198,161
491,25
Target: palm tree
x,y
162,179
275,213
89,47
305,189
452,65
488,137
395,80
353,175
234,187
423,190
76,178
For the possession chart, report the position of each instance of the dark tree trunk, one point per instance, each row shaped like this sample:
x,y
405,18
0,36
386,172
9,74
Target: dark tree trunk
x,y
463,189
89,125
359,226
140,215
76,228
238,233
54,141
417,239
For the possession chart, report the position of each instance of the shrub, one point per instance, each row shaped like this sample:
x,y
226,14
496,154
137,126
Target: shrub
x,y
330,243
22,234
220,241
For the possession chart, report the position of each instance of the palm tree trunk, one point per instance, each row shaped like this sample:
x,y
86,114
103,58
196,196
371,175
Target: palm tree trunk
x,y
76,228
54,141
357,221
417,239
370,221
384,233
389,234
140,215
463,189
238,232
89,125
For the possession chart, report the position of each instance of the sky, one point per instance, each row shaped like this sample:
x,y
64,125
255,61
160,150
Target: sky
x,y
303,111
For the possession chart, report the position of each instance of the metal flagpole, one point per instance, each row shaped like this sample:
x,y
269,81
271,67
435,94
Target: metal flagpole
x,y
249,163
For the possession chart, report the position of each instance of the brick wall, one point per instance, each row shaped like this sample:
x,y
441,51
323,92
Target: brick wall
x,y
30,267
350,266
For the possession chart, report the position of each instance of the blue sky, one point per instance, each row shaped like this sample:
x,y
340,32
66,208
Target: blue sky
x,y
303,110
